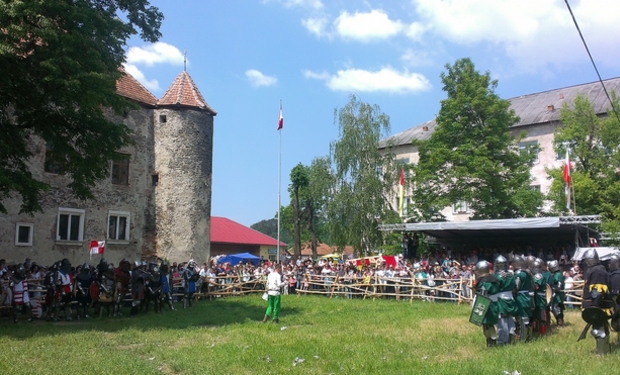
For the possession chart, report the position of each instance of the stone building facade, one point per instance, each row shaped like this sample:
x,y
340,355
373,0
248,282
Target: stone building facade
x,y
157,200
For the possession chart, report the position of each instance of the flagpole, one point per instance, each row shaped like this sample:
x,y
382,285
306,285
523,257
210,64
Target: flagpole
x,y
279,179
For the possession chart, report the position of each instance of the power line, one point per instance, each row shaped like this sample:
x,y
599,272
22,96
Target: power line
x,y
592,60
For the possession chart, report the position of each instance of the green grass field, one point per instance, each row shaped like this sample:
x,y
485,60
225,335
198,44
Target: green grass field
x,y
334,336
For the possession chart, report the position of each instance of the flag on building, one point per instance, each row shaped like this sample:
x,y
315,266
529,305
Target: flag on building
x,y
97,247
401,192
567,180
280,119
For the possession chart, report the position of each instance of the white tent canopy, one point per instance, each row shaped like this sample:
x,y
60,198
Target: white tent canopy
x,y
603,252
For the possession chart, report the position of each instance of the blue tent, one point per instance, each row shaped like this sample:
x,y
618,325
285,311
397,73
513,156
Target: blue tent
x,y
234,259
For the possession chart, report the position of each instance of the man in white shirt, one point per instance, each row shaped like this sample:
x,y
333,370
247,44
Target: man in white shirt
x,y
274,283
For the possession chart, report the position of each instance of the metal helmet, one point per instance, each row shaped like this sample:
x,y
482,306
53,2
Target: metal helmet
x,y
538,266
529,261
553,265
20,271
590,258
501,264
614,261
65,265
518,262
482,268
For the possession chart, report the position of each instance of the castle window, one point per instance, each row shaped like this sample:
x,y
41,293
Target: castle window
x,y
118,225
23,234
529,146
162,118
154,179
460,207
120,170
70,224
52,160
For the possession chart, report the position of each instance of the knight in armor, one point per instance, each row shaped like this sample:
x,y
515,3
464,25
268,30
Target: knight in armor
x,y
102,290
557,285
190,276
21,299
122,280
166,297
81,289
525,291
153,287
507,306
541,318
138,277
64,289
49,282
488,285
596,304
614,291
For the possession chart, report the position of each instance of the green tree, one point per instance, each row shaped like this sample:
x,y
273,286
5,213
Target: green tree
x,y
362,183
316,195
594,145
471,156
270,228
299,182
60,62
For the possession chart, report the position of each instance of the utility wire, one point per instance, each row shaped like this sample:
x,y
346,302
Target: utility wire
x,y
592,60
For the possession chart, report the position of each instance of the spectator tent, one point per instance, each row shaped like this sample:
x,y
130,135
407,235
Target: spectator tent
x,y
538,232
603,252
234,259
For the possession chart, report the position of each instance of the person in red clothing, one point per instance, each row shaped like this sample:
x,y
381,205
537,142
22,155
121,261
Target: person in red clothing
x,y
122,278
64,288
21,299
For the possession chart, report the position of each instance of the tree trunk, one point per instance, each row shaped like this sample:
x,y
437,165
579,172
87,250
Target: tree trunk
x,y
296,224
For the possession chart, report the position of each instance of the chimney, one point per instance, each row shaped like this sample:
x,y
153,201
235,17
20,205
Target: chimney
x,y
561,96
550,108
425,128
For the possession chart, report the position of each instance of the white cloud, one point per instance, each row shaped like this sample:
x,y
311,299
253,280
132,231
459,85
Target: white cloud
x,y
365,27
417,57
386,79
533,37
316,26
136,73
157,53
415,31
258,79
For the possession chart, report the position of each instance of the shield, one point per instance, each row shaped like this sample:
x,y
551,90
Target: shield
x,y
94,291
548,294
595,316
195,277
479,309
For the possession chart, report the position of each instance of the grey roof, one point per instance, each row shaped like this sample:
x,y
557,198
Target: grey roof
x,y
532,109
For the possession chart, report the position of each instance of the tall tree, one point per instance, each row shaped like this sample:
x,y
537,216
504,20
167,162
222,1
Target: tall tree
x,y
60,62
320,181
594,145
361,183
299,182
472,157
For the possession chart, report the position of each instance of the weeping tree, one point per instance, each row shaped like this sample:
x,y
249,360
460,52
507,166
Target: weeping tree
x,y
362,184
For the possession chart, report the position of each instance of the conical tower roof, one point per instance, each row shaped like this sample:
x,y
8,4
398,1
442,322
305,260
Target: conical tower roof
x,y
183,92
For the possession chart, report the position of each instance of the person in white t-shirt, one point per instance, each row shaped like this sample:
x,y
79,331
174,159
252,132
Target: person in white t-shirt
x,y
274,283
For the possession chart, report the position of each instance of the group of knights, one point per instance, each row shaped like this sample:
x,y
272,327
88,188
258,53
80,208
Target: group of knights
x,y
101,290
601,298
521,298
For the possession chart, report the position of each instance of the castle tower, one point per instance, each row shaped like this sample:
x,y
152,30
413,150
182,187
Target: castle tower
x,y
183,168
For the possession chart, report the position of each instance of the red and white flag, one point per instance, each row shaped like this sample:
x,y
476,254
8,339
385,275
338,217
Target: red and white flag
x,y
97,247
567,180
280,119
401,192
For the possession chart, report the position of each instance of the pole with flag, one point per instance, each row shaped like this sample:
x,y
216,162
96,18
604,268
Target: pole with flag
x,y
567,179
401,192
280,125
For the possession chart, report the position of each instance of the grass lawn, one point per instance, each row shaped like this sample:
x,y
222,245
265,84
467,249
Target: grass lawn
x,y
333,336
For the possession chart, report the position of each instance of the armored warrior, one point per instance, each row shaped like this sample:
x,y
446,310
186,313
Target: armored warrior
x,y
596,305
102,289
505,301
138,276
21,299
49,282
557,303
541,318
164,270
190,276
64,289
524,301
489,286
122,279
614,290
81,290
153,287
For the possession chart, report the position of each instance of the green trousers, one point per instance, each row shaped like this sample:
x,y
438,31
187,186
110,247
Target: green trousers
x,y
273,306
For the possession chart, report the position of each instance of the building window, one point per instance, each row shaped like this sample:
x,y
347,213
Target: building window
x,y
118,225
460,207
154,179
535,187
120,170
23,234
162,118
70,226
526,147
52,160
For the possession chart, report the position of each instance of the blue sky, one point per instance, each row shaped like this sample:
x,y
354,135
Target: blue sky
x,y
246,56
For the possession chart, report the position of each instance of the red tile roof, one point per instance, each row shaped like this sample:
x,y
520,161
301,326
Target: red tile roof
x,y
130,88
184,92
224,230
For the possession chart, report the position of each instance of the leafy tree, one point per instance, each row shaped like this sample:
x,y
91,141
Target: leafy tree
x,y
472,156
60,62
358,201
594,144
316,195
299,182
270,228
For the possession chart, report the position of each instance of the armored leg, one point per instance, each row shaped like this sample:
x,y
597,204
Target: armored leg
x,y
490,333
601,335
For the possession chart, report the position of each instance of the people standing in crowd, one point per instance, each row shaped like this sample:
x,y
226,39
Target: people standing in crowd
x,y
557,303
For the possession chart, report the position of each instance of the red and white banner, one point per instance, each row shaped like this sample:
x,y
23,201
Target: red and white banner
x,y
97,247
280,119
567,180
